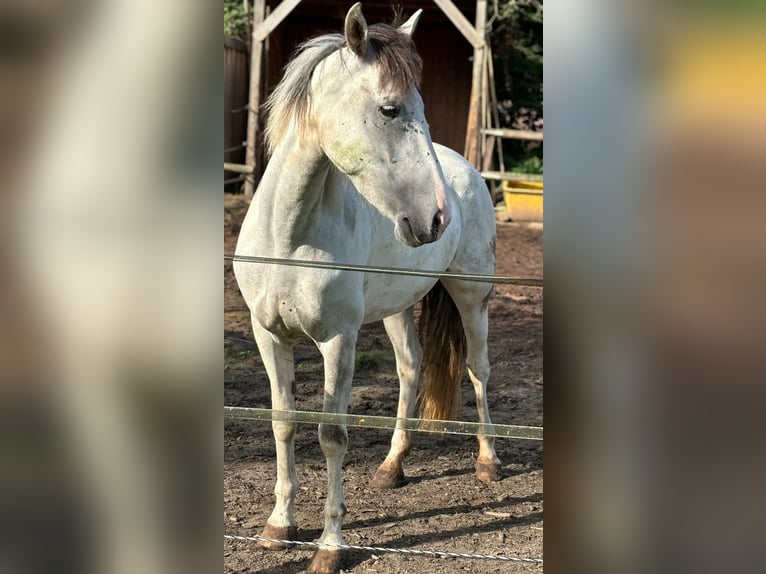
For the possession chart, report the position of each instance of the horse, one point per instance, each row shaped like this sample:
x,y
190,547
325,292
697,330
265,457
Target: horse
x,y
354,178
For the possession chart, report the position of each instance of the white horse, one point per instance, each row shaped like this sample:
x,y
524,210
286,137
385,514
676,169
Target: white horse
x,y
355,178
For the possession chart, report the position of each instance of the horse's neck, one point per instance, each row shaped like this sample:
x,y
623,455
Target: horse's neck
x,y
291,192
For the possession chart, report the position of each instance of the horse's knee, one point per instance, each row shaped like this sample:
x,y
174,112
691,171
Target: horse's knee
x,y
407,373
283,431
333,438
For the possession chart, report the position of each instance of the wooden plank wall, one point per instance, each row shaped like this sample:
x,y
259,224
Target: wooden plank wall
x,y
235,86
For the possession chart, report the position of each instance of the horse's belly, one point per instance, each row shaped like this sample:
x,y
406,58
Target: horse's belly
x,y
387,295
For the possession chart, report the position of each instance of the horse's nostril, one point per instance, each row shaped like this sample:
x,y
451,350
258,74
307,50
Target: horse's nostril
x,y
436,224
406,225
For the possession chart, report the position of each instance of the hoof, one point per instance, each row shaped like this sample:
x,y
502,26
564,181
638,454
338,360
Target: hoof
x,y
278,533
388,478
325,562
488,471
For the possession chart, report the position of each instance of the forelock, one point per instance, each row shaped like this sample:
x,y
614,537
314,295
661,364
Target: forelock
x,y
399,63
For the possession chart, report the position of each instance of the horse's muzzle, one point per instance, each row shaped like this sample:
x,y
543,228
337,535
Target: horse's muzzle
x,y
411,233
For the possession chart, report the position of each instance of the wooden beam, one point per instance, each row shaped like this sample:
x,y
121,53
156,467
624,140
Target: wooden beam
x,y
254,101
265,27
237,167
526,135
509,175
478,89
474,37
495,113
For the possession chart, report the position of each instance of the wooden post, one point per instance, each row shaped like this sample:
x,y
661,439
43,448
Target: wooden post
x,y
248,23
471,152
483,108
262,27
495,112
254,101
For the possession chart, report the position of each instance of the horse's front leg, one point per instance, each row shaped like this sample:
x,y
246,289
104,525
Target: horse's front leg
x,y
404,338
277,357
338,354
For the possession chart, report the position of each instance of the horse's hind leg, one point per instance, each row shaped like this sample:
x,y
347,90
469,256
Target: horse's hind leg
x,y
472,300
277,357
403,334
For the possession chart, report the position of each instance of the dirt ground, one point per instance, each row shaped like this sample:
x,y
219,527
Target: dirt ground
x,y
443,506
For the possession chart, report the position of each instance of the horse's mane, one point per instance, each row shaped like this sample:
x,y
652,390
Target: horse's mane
x,y
394,53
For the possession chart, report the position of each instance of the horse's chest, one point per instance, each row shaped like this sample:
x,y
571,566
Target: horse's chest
x,y
308,306
281,312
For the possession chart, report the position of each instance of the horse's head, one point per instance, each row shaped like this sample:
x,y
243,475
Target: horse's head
x,y
372,127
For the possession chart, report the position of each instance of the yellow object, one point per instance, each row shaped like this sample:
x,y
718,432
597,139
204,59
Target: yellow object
x,y
523,200
716,72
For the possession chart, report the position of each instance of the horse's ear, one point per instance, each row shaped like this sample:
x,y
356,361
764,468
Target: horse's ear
x,y
409,26
356,30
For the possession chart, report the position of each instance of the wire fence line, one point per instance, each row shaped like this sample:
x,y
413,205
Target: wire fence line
x,y
423,425
407,272
381,549
235,148
234,179
241,177
380,422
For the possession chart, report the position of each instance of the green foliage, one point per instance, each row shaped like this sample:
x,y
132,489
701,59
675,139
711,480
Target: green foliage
x,y
234,19
532,164
517,46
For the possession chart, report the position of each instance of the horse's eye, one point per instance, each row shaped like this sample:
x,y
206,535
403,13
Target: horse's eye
x,y
389,111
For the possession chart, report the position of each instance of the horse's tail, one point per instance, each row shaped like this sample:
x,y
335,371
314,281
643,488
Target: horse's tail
x,y
444,352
